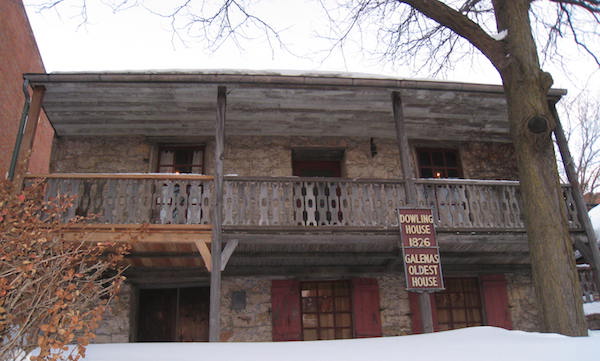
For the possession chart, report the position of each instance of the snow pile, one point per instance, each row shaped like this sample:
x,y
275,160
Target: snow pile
x,y
591,308
469,344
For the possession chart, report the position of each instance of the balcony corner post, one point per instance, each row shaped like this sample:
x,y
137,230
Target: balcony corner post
x,y
215,274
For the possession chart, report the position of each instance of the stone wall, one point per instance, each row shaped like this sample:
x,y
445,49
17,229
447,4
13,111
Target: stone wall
x,y
521,300
252,322
101,154
484,160
272,156
394,306
114,327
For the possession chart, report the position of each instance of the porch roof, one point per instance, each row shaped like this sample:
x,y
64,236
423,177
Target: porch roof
x,y
174,104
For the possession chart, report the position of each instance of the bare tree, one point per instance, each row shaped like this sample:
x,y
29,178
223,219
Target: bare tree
x,y
435,32
583,128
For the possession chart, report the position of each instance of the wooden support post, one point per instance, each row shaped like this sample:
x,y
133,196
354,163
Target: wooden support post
x,y
24,153
411,194
404,149
590,251
426,316
215,276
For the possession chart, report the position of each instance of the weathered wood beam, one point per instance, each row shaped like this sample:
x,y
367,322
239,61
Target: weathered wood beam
x,y
404,149
149,233
205,253
227,252
121,176
590,250
24,153
215,275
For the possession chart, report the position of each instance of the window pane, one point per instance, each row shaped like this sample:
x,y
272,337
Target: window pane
x,y
342,304
309,304
426,173
451,159
341,333
325,289
310,335
424,158
343,320
309,320
327,334
437,158
325,304
341,289
326,320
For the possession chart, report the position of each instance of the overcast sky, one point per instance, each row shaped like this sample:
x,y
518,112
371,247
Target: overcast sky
x,y
133,39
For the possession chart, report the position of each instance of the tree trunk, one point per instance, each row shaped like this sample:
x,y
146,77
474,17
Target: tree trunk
x,y
552,260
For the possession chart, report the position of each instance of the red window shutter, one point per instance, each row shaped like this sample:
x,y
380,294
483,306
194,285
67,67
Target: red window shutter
x,y
415,312
365,307
495,300
285,306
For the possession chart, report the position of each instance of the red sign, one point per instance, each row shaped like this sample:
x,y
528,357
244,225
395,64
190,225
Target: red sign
x,y
422,264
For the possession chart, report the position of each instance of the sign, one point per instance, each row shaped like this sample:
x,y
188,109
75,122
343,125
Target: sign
x,y
422,264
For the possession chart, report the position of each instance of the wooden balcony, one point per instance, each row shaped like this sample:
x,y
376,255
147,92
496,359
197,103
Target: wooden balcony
x,y
292,202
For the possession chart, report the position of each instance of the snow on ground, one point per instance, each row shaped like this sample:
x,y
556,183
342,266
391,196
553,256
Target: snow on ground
x,y
591,308
469,344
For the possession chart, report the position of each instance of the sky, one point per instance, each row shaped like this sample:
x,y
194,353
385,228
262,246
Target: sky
x,y
134,39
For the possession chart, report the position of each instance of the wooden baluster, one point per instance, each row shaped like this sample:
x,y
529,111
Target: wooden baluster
x,y
264,203
343,206
311,203
207,201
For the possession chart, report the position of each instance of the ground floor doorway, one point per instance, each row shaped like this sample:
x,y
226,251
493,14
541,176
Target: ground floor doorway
x,y
173,314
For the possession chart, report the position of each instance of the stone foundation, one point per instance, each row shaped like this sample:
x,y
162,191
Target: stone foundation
x,y
249,320
394,306
521,299
114,327
246,309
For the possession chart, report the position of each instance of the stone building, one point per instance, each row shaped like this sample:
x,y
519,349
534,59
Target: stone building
x,y
19,54
288,216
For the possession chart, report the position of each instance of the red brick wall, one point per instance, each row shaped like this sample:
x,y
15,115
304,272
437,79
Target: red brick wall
x,y
19,54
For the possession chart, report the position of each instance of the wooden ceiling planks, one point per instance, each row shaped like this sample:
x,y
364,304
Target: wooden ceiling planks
x,y
259,105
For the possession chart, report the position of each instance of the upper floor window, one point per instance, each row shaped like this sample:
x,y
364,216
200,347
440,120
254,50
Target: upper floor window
x,y
317,162
438,163
181,159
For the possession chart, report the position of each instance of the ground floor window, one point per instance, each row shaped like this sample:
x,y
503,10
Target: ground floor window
x,y
326,310
466,301
459,305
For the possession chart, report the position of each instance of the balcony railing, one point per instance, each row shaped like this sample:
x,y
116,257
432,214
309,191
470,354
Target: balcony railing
x,y
292,201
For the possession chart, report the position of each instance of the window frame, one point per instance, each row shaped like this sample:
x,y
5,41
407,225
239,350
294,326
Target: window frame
x,y
319,329
442,169
176,147
451,324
